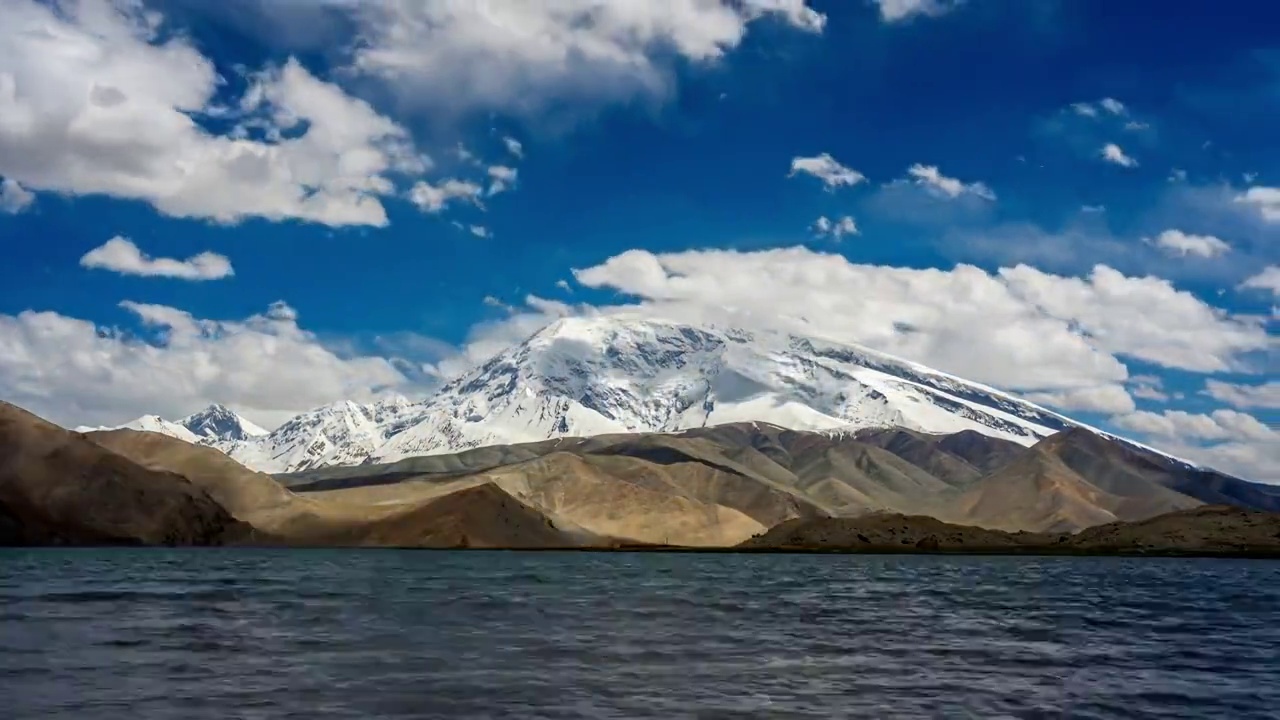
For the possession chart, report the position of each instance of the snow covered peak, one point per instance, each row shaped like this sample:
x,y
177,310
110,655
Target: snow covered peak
x,y
217,422
606,374
149,423
626,373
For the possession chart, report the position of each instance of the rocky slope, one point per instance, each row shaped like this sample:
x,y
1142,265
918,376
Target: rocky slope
x,y
711,486
771,474
59,488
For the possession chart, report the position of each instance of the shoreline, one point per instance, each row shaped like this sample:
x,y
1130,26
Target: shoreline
x,y
1251,553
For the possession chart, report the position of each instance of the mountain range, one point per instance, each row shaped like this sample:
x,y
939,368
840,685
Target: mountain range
x,y
718,486
608,431
580,377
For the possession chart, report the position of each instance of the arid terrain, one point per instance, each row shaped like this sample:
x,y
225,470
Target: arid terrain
x,y
747,485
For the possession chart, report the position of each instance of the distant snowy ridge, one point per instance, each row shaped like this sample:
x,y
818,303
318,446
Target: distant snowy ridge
x,y
212,424
618,374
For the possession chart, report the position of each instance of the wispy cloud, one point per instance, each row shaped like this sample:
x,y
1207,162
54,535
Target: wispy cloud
x,y
830,171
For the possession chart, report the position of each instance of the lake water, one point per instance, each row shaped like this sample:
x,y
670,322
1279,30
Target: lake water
x,y
189,634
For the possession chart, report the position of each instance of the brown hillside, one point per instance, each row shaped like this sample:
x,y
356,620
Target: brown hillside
x,y
58,487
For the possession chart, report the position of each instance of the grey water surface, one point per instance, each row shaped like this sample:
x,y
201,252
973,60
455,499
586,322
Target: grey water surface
x,y
221,633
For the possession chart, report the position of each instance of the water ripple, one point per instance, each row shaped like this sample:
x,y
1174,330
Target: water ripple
x,y
193,634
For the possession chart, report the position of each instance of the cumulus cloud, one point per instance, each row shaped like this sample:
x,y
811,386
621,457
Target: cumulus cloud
x,y
929,177
1110,399
513,146
120,255
1019,328
480,231
522,57
1112,153
1228,440
827,169
1266,200
1265,395
1221,424
1145,318
1267,279
835,229
892,11
95,99
14,198
1177,242
434,198
75,372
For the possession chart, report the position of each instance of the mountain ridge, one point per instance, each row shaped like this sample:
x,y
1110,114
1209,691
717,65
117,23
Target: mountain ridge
x,y
602,375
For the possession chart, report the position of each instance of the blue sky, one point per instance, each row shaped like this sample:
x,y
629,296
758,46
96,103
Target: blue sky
x,y
658,133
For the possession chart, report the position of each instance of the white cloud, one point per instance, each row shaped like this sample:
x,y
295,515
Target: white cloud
x,y
501,177
95,100
564,285
827,169
14,198
1221,424
1179,243
522,57
1265,395
513,146
1136,126
1093,208
1113,106
1148,387
1256,460
74,372
899,10
480,231
1093,110
836,229
1177,175
1267,279
1145,318
1110,399
434,198
1085,109
1265,199
1112,153
931,178
1019,328
1240,443
120,255
1147,392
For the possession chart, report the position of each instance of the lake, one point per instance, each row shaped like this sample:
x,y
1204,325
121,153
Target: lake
x,y
223,633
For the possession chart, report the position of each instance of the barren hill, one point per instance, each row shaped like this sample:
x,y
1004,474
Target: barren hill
x,y
58,487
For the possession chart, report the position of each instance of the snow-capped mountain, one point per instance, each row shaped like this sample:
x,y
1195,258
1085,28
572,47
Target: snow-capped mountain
x,y
588,376
211,425
344,433
216,422
149,423
609,374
